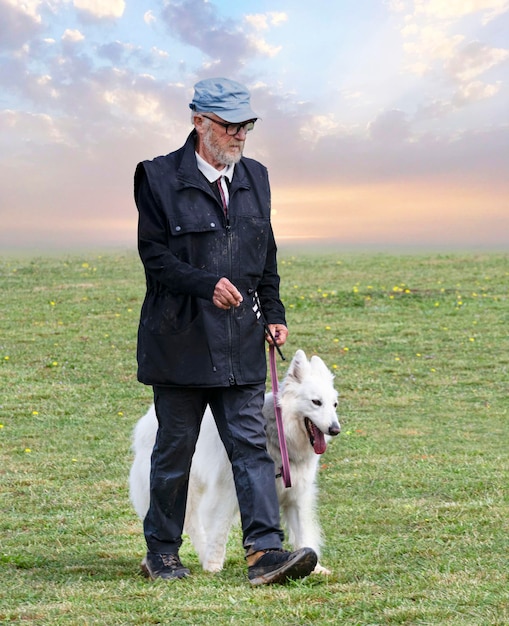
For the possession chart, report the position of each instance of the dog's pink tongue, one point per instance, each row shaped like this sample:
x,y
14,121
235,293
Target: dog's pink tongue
x,y
320,444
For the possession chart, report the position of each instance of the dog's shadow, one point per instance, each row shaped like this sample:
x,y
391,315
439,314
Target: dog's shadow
x,y
73,567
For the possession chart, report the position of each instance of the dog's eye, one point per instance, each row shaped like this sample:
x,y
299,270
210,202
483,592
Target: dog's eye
x,y
335,405
317,402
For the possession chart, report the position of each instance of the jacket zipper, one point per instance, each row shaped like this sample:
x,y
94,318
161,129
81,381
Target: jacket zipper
x,y
231,377
230,312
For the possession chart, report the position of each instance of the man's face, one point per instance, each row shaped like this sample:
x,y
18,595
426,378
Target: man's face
x,y
216,146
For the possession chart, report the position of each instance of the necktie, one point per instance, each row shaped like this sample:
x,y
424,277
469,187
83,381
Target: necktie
x,y
222,194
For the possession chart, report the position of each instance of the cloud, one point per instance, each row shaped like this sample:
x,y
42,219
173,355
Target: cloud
x,y
455,9
261,46
223,40
115,51
438,50
318,126
392,148
149,17
29,7
474,59
101,9
85,105
396,6
18,23
429,36
475,91
262,21
196,23
432,110
430,43
390,127
143,104
72,36
35,128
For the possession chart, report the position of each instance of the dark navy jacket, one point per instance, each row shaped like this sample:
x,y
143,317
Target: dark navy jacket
x,y
186,245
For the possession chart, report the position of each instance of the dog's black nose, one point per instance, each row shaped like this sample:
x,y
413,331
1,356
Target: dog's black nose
x,y
334,430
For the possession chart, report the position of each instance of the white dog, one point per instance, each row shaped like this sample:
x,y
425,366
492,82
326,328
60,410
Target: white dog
x,y
308,404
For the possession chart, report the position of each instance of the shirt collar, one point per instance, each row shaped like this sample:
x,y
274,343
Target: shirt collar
x,y
210,173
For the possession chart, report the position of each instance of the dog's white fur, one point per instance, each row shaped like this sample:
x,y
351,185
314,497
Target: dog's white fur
x,y
307,391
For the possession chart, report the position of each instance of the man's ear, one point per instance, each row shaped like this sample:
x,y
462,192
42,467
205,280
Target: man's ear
x,y
199,124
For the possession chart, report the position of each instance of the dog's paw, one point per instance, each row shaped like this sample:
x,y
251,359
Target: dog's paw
x,y
319,569
213,567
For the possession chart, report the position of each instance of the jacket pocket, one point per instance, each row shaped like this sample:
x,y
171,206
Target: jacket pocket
x,y
203,220
182,359
166,313
179,356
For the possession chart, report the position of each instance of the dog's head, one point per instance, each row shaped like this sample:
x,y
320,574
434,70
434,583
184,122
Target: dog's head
x,y
309,386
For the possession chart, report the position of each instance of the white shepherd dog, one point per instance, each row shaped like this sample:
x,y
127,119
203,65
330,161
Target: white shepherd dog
x,y
308,404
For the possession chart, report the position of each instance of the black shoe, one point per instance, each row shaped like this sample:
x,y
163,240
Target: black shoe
x,y
278,566
165,566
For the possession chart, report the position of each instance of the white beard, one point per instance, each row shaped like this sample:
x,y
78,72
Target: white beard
x,y
219,154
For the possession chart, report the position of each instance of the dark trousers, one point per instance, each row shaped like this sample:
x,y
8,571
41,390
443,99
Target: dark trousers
x,y
237,411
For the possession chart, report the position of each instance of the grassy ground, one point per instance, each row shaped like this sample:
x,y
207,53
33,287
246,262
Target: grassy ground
x,y
414,502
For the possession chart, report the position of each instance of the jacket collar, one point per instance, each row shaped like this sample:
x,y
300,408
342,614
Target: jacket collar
x,y
210,172
189,175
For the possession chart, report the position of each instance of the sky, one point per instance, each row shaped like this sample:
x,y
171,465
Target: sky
x,y
384,124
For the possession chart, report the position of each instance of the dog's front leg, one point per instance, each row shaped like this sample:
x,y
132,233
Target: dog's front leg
x,y
298,507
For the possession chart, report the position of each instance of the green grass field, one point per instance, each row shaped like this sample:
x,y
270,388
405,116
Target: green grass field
x,y
414,500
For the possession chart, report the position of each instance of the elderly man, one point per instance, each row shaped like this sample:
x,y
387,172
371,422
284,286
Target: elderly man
x,y
206,242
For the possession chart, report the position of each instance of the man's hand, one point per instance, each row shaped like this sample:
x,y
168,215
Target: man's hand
x,y
226,295
279,332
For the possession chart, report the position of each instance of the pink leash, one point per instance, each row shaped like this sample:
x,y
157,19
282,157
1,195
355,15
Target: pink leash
x,y
285,469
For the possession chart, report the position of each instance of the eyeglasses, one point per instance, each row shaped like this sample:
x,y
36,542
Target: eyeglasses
x,y
233,129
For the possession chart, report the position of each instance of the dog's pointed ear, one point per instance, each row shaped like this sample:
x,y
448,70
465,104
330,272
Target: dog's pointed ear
x,y
298,366
319,367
